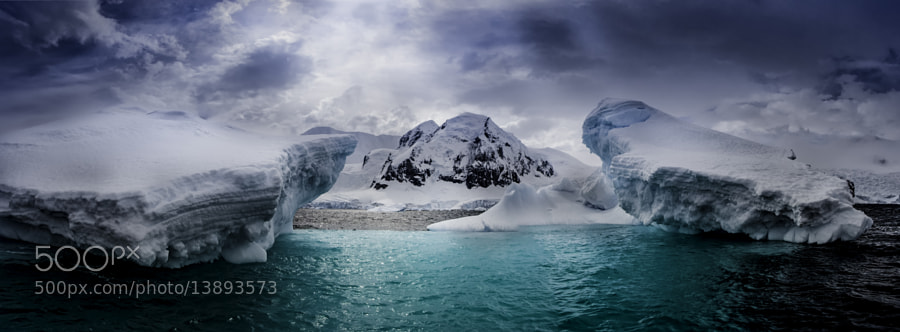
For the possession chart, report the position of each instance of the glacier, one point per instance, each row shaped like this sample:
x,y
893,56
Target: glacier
x,y
180,188
687,178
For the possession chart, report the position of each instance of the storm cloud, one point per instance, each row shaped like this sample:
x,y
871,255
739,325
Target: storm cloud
x,y
262,70
536,67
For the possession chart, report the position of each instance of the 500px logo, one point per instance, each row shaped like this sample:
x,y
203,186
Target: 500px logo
x,y
108,257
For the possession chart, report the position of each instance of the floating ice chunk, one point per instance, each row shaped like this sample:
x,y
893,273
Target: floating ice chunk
x,y
245,252
180,188
688,178
523,205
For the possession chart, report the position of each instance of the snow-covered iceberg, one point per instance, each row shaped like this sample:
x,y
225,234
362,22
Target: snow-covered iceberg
x,y
687,178
523,205
180,188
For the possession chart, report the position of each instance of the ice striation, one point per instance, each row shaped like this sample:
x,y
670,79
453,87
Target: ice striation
x,y
686,178
180,188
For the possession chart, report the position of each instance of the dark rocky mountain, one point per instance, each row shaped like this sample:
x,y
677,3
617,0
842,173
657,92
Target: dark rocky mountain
x,y
469,149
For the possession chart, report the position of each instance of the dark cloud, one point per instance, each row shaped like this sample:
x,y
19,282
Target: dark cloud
x,y
39,25
471,28
630,46
175,13
876,76
554,44
538,39
40,35
53,54
264,69
819,65
153,53
764,35
546,34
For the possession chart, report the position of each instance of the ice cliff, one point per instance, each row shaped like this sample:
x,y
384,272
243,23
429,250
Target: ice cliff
x,y
687,178
180,188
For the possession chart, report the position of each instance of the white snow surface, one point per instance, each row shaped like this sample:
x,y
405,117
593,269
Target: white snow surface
x,y
182,189
871,188
871,162
691,179
523,205
865,153
423,131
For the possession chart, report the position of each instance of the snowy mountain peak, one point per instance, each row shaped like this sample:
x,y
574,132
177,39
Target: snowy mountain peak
x,y
470,126
469,148
424,129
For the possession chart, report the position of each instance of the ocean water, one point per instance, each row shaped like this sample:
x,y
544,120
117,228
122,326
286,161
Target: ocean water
x,y
616,278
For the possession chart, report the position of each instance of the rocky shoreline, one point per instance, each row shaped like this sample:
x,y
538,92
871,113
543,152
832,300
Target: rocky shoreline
x,y
337,219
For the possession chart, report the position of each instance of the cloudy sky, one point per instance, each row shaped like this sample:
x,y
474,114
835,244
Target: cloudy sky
x,y
754,68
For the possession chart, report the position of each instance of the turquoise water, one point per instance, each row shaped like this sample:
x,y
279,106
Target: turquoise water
x,y
616,278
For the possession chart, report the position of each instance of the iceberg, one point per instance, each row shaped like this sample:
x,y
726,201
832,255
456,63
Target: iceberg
x,y
688,178
179,188
523,205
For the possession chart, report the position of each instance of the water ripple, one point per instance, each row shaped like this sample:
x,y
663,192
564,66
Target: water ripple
x,y
614,278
